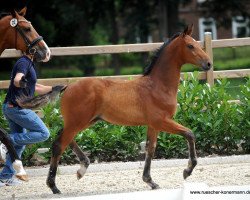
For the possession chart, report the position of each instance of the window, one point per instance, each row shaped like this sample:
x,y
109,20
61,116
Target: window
x,y
207,25
240,27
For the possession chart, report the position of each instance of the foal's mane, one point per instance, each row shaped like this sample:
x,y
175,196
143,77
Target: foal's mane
x,y
157,54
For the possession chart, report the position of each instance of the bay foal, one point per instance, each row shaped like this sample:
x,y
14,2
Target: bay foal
x,y
149,100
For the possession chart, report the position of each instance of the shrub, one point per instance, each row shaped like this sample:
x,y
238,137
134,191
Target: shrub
x,y
244,110
214,120
61,73
220,127
107,142
3,122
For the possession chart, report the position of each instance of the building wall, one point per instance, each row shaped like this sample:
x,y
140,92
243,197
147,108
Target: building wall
x,y
191,13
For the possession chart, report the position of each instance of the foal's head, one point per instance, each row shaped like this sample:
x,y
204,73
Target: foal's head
x,y
191,51
16,32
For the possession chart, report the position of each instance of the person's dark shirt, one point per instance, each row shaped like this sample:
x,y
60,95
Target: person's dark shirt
x,y
26,66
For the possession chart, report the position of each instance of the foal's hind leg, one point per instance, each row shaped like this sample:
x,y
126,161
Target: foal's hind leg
x,y
150,149
173,127
84,160
56,154
64,138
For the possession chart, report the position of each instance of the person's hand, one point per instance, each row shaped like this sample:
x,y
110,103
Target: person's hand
x,y
23,82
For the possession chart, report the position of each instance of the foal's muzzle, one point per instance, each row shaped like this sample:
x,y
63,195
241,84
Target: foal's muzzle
x,y
206,65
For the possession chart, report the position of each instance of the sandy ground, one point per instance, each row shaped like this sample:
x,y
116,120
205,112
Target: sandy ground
x,y
116,181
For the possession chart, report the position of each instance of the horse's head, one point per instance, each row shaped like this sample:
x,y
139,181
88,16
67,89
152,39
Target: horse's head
x,y
191,50
21,35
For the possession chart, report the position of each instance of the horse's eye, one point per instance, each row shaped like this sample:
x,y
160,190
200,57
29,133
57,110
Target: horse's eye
x,y
190,46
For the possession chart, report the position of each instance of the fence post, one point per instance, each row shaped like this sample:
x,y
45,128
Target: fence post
x,y
209,51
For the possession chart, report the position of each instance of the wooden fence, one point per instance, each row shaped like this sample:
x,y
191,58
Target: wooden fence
x,y
208,46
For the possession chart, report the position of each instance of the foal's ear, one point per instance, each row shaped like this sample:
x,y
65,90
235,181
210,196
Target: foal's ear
x,y
188,30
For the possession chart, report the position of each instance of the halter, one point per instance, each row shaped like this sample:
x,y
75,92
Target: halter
x,y
29,44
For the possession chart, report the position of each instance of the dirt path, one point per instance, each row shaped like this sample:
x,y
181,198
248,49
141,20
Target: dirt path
x,y
128,180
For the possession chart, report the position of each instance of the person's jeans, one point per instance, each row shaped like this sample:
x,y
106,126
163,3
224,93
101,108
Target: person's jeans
x,y
21,120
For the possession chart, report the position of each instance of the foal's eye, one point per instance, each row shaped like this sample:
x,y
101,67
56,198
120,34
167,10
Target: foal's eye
x,y
190,46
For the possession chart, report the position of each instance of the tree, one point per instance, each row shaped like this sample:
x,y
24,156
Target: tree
x,y
168,17
79,22
67,24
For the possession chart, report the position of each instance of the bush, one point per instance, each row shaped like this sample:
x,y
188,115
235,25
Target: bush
x,y
107,142
61,73
104,72
244,111
217,123
220,127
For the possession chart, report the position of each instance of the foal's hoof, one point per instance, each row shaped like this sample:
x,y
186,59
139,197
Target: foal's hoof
x,y
186,173
150,182
80,172
153,185
79,175
55,190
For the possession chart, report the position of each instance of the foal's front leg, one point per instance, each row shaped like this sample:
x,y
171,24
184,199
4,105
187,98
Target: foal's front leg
x,y
150,149
171,126
192,154
84,160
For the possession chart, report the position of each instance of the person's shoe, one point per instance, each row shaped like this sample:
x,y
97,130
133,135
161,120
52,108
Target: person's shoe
x,y
10,182
2,184
3,151
20,172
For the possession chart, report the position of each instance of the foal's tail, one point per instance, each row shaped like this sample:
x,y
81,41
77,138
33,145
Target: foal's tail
x,y
41,100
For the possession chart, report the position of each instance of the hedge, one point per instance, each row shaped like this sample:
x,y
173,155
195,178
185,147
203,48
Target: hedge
x,y
220,127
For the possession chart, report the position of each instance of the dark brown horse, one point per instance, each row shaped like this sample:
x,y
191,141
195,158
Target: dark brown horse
x,y
16,32
148,100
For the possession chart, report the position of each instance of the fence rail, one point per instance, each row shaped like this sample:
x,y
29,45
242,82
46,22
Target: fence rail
x,y
123,48
208,45
202,76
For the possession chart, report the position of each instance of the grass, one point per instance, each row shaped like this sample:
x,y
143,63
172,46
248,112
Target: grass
x,y
231,53
243,63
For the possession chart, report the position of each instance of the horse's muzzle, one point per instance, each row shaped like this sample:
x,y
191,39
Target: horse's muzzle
x,y
206,65
42,55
